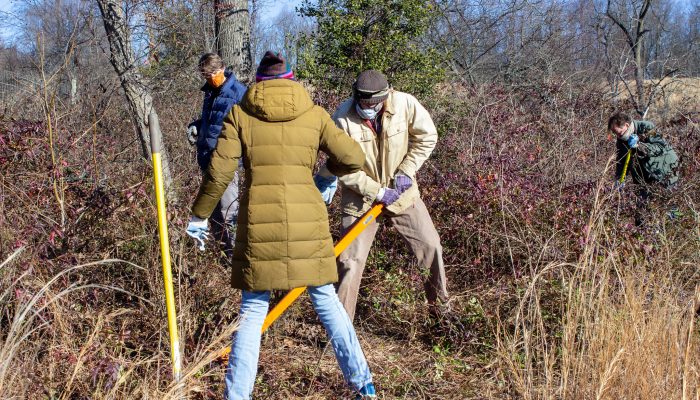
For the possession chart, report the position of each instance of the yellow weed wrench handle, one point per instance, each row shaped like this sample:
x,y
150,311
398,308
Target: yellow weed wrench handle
x,y
362,223
154,130
624,168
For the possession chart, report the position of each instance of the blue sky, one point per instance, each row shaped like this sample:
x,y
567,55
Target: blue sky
x,y
269,12
5,7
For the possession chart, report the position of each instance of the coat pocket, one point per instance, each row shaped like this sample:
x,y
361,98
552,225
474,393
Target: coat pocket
x,y
397,129
397,137
362,134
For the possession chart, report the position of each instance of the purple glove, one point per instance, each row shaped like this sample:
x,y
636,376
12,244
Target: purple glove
x,y
389,196
402,183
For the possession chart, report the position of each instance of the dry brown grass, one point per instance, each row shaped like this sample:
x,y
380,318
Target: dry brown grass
x,y
72,354
628,328
673,97
537,314
680,92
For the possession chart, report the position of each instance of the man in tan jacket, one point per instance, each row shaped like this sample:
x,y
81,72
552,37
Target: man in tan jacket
x,y
397,136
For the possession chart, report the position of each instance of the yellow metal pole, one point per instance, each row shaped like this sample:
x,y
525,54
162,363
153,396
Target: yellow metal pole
x,y
154,129
624,168
362,223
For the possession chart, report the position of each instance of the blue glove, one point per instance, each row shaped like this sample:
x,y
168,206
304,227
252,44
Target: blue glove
x,y
402,182
633,141
199,230
327,185
618,186
388,196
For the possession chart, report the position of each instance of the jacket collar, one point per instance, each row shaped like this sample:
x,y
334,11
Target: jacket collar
x,y
389,104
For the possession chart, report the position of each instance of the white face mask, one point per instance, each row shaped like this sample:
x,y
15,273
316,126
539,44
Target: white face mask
x,y
368,113
628,133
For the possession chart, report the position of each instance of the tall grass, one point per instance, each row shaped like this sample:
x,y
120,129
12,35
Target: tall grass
x,y
36,334
627,327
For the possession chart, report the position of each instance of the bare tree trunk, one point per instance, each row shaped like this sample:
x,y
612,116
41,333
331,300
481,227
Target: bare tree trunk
x,y
639,77
638,62
634,36
137,94
232,28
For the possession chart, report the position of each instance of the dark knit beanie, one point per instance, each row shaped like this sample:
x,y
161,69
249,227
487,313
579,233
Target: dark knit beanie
x,y
371,87
273,66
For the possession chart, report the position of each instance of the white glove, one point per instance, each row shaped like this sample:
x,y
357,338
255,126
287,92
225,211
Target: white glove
x,y
192,133
198,229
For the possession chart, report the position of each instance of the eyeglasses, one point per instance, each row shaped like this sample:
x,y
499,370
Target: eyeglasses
x,y
207,75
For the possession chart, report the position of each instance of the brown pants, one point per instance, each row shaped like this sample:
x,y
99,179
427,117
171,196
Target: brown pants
x,y
416,227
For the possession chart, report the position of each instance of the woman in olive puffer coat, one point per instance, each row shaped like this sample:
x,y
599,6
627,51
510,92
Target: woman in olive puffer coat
x,y
283,239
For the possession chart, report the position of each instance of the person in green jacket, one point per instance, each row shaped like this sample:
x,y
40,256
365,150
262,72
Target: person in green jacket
x,y
652,159
642,155
283,239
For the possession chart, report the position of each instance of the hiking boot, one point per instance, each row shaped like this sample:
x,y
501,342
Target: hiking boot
x,y
441,310
367,392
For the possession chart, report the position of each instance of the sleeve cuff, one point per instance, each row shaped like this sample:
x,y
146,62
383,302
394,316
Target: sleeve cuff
x,y
324,172
407,169
380,194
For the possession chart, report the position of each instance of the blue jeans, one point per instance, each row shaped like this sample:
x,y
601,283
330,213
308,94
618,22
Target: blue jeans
x,y
243,360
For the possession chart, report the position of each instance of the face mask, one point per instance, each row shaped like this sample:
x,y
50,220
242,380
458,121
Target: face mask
x,y
628,133
217,79
368,113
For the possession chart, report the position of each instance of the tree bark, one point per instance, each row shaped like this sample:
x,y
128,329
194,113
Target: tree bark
x,y
232,28
137,94
639,77
634,36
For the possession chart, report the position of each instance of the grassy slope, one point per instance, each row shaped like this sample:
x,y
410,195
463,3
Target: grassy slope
x,y
557,294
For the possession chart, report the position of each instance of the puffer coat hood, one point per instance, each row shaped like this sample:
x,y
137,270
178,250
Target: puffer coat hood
x,y
276,100
283,239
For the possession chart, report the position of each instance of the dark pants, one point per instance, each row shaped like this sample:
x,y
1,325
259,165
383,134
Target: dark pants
x,y
225,218
643,196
